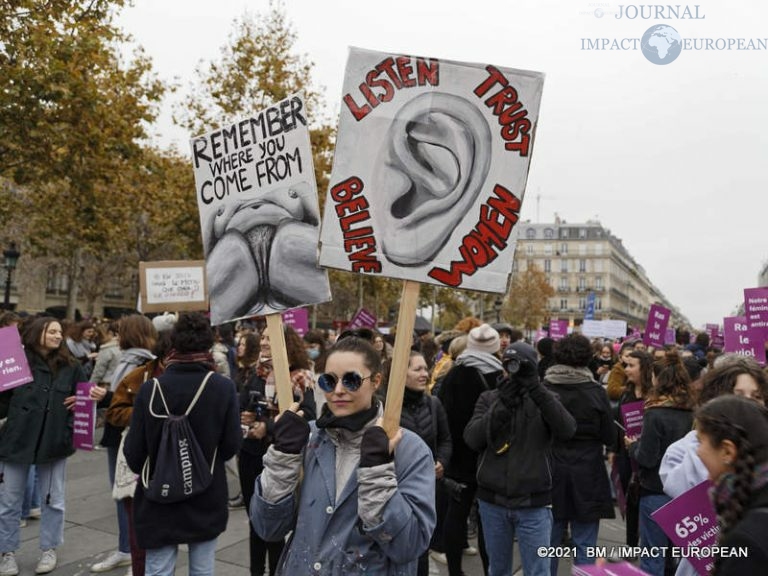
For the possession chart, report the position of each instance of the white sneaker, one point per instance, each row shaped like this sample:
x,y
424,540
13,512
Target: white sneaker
x,y
438,557
8,566
47,562
114,560
35,513
470,551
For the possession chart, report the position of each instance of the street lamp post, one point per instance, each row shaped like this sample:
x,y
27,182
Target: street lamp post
x,y
11,255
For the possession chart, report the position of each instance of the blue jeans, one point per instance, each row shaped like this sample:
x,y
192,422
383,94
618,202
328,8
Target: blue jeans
x,y
162,561
123,536
52,477
533,527
31,493
583,534
650,533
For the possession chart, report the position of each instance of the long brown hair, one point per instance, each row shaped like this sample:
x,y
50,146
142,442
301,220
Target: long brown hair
x,y
32,338
672,380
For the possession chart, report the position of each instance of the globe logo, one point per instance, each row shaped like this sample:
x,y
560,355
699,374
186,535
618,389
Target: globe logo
x,y
661,44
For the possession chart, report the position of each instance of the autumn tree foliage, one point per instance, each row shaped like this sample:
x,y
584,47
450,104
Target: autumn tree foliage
x,y
527,303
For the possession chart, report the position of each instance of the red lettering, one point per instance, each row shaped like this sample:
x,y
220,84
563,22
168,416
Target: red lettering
x,y
366,266
503,97
347,221
405,70
386,65
359,243
358,112
373,82
453,277
506,203
505,105
494,77
352,205
427,72
489,218
346,189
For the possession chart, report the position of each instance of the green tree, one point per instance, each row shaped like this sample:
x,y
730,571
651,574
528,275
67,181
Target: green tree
x,y
527,304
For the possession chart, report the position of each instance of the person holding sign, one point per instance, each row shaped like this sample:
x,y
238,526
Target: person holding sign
x,y
38,430
357,501
733,445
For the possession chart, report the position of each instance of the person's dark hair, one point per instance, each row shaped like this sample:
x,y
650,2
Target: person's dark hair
x,y
8,318
251,351
226,333
317,337
364,333
693,367
646,371
702,339
32,337
75,331
515,335
545,346
626,344
672,379
163,344
682,337
297,353
192,333
137,331
371,357
745,423
721,380
573,350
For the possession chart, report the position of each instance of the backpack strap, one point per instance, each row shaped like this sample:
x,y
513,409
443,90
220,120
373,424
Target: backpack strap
x,y
198,393
156,388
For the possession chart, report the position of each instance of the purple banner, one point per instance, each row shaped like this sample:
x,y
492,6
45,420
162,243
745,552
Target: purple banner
x,y
362,319
298,319
756,311
656,326
558,329
609,569
739,339
14,370
632,416
670,336
85,417
690,522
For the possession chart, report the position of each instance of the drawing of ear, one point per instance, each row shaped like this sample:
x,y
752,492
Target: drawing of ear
x,y
436,159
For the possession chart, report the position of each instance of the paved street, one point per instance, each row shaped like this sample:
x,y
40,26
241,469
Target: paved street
x,y
91,530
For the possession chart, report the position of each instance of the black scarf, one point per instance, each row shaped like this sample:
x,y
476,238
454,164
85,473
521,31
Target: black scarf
x,y
353,422
412,397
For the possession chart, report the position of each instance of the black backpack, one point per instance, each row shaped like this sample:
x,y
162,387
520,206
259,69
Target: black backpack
x,y
181,470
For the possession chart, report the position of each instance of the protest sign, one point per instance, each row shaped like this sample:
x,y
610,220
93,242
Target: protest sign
x,y
539,335
429,173
756,311
656,326
741,340
690,522
670,336
604,329
14,369
259,215
609,569
172,285
632,416
362,319
84,417
428,179
558,329
297,319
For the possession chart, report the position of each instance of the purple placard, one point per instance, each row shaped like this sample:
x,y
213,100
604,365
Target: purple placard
x,y
298,319
635,334
632,416
719,339
85,417
608,569
362,319
670,337
558,329
14,369
756,311
741,340
690,522
712,330
656,326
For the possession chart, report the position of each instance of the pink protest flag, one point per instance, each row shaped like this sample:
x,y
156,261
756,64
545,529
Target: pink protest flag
x,y
690,521
14,369
85,417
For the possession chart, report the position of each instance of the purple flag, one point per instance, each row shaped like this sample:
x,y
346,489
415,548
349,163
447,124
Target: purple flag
x,y
298,319
656,326
740,339
85,417
690,522
14,369
362,319
558,329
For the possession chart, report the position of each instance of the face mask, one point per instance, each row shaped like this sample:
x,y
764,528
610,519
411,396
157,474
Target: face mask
x,y
313,353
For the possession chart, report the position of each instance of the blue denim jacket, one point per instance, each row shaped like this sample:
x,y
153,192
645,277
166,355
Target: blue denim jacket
x,y
329,538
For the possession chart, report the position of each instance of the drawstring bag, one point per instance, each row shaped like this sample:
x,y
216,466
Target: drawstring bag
x,y
181,470
125,480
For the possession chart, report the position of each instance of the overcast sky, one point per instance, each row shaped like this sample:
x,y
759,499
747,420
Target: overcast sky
x,y
672,159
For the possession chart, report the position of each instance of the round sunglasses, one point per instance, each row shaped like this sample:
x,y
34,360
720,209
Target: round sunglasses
x,y
350,380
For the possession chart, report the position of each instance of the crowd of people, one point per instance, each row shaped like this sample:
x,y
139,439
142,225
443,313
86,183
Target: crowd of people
x,y
500,439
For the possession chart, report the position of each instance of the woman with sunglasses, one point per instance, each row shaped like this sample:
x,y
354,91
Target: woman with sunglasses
x,y
357,501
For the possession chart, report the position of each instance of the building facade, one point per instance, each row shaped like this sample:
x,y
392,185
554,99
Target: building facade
x,y
585,258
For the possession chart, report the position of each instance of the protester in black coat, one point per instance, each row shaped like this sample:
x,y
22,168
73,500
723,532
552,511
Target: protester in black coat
x,y
215,420
581,491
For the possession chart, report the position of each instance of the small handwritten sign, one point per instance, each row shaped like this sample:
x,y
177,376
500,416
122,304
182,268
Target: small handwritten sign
x,y
173,285
85,417
14,369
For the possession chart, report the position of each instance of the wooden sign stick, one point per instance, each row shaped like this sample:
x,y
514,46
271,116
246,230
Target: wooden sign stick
x,y
280,365
406,319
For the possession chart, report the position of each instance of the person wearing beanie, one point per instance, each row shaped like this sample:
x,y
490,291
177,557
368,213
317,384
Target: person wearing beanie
x,y
164,322
513,427
474,371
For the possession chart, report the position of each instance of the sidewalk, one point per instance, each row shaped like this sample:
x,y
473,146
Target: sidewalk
x,y
90,531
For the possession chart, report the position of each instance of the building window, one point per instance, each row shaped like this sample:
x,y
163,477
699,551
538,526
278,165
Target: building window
x,y
582,249
564,248
563,304
529,249
549,233
530,233
582,303
582,232
548,249
564,284
598,249
582,265
563,232
598,303
547,265
582,283
563,265
598,264
599,282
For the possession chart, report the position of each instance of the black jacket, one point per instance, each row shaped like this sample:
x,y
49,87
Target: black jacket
x,y
514,469
39,427
425,415
459,392
749,533
581,489
215,420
